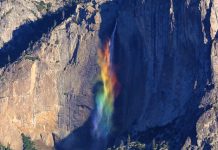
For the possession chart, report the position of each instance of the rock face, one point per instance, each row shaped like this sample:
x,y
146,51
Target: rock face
x,y
49,89
166,58
169,63
168,70
15,13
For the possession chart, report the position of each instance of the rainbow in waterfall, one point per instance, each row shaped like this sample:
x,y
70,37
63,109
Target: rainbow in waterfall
x,y
107,93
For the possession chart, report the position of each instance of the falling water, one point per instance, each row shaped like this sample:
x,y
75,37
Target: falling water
x,y
108,91
112,44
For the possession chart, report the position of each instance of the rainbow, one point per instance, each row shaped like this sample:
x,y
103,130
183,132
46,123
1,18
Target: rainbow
x,y
106,94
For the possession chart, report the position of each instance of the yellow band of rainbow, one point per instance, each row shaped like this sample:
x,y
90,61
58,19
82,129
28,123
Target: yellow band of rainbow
x,y
106,94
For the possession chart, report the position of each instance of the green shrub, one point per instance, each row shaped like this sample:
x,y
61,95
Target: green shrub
x,y
49,6
2,147
130,145
163,145
34,13
57,42
43,6
1,78
32,58
7,13
27,143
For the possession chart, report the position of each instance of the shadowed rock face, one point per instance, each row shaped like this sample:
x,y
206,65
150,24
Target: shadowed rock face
x,y
163,60
166,60
163,52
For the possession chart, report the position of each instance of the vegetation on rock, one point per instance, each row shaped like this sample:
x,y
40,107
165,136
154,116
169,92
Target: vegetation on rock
x,y
163,145
43,6
130,145
2,147
136,145
32,58
27,143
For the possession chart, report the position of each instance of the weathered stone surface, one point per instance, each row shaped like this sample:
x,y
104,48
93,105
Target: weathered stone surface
x,y
16,13
165,51
49,90
166,58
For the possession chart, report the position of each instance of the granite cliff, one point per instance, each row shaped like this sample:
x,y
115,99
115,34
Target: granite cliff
x,y
166,60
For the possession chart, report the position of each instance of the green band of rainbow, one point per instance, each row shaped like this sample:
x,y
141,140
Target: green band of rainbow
x,y
106,94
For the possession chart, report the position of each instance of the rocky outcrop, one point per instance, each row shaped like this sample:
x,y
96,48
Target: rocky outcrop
x,y
207,124
15,13
49,89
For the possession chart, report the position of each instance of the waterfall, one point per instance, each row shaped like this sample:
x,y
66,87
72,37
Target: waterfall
x,y
107,92
112,43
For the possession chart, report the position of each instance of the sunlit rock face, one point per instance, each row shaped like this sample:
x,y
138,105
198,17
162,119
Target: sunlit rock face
x,y
48,90
15,13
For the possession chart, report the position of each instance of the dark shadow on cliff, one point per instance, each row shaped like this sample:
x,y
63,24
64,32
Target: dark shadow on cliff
x,y
176,132
179,129
30,32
